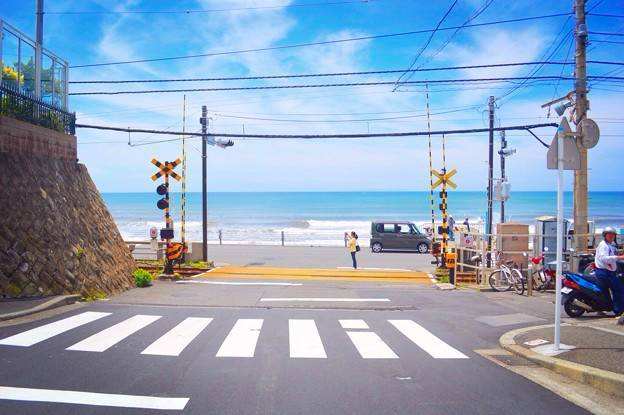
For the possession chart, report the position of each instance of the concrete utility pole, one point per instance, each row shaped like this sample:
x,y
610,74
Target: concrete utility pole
x,y
204,123
502,167
581,226
488,227
38,48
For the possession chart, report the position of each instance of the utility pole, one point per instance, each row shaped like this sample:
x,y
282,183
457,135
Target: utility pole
x,y
204,123
581,228
488,227
38,48
502,167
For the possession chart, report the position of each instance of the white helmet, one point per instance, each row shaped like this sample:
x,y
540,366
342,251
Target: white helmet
x,y
609,229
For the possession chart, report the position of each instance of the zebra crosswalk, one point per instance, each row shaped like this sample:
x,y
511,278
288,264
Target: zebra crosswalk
x,y
304,338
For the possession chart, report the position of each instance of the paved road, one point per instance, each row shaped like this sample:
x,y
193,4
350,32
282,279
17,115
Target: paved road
x,y
315,257
242,356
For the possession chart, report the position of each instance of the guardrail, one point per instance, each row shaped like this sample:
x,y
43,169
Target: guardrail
x,y
25,107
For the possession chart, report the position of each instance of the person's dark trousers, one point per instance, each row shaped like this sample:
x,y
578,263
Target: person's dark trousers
x,y
610,279
354,260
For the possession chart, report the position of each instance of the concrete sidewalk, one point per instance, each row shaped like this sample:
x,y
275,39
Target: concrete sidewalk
x,y
14,308
593,351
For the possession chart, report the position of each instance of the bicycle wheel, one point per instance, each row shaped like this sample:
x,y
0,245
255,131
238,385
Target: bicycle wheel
x,y
517,281
499,281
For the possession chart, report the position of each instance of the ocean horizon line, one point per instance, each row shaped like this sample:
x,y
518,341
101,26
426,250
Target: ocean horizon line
x,y
358,191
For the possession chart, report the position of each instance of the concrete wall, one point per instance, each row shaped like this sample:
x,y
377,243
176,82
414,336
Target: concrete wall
x,y
56,235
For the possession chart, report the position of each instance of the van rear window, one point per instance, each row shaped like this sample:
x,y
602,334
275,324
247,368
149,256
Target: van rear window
x,y
385,227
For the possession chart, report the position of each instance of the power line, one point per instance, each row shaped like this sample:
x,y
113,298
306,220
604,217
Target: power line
x,y
617,16
316,136
534,71
476,14
315,75
205,11
217,114
607,33
326,42
345,84
617,42
424,47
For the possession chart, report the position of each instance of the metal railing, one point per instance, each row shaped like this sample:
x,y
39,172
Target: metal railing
x,y
18,60
22,106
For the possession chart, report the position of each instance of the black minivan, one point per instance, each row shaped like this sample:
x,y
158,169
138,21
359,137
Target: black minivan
x,y
398,236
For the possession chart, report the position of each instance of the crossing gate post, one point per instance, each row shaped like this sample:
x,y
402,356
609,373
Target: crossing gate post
x,y
444,179
173,251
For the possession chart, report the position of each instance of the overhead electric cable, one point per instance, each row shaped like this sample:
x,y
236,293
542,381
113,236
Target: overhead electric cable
x,y
426,44
317,136
346,84
205,11
330,74
476,14
325,42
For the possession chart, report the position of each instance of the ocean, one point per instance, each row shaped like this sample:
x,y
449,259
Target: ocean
x,y
321,218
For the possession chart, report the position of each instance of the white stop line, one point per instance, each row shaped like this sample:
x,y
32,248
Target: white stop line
x,y
91,398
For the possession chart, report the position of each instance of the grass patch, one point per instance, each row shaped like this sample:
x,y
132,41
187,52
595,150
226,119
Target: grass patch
x,y
142,278
93,296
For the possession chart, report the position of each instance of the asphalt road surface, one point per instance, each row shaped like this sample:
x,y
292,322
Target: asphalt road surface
x,y
314,348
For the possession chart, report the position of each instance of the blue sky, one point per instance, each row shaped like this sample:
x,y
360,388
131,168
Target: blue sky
x,y
367,164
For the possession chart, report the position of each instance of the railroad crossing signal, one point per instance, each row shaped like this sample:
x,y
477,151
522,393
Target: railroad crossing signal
x,y
444,178
166,169
174,251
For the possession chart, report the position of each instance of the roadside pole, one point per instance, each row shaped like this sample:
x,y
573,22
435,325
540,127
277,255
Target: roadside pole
x,y
560,137
204,123
502,167
581,228
38,49
488,226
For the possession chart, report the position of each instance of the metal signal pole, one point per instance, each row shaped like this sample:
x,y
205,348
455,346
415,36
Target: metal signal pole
x,y
581,228
38,48
204,123
488,228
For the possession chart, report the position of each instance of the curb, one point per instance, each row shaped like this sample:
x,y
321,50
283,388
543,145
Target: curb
x,y
603,380
57,301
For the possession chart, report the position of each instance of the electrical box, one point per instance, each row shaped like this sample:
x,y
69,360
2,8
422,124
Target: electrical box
x,y
546,232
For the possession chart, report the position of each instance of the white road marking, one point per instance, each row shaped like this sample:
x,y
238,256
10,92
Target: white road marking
x,y
101,341
426,340
370,345
354,300
176,339
242,339
304,340
353,324
38,334
90,398
240,283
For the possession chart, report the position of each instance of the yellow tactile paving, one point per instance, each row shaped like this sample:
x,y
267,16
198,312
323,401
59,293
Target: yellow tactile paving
x,y
318,274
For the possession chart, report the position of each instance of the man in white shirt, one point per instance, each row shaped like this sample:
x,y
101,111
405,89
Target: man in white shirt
x,y
606,267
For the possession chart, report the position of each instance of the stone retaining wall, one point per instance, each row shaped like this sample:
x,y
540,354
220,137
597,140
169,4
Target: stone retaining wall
x,y
56,235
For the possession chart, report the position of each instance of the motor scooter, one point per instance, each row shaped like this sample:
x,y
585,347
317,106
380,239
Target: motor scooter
x,y
583,293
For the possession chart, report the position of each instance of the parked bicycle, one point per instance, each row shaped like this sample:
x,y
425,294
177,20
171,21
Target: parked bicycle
x,y
506,277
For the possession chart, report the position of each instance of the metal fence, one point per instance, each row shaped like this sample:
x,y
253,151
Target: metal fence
x,y
17,61
22,106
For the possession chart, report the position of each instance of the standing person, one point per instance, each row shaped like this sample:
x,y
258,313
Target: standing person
x,y
467,224
451,227
352,246
606,267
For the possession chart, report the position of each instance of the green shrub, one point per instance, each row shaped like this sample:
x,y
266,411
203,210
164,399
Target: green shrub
x,y
142,278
